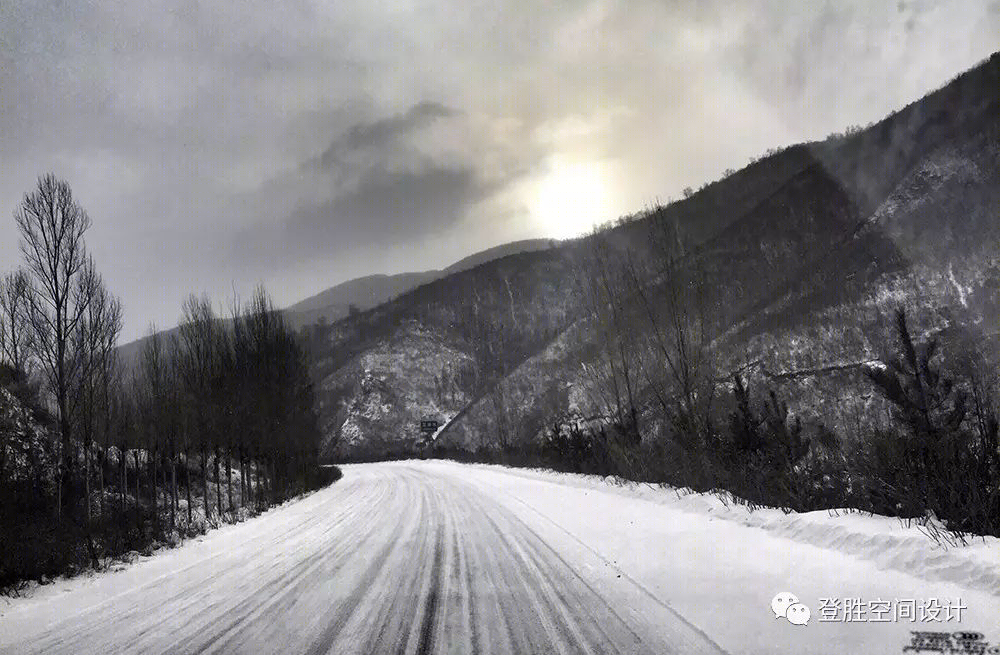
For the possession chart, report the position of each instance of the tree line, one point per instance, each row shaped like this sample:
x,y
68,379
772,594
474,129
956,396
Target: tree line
x,y
100,456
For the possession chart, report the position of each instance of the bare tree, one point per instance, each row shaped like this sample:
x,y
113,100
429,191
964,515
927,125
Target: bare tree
x,y
198,338
610,299
94,346
61,285
151,385
489,339
650,308
14,332
184,420
677,362
108,382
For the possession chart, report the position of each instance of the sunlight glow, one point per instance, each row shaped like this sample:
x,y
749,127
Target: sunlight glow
x,y
571,197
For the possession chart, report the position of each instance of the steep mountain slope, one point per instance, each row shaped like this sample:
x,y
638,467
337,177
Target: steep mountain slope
x,y
931,245
699,217
427,353
804,253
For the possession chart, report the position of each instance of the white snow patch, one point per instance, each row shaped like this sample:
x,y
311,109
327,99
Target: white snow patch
x,y
962,291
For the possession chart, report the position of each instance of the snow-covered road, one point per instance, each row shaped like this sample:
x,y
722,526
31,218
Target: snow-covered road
x,y
437,557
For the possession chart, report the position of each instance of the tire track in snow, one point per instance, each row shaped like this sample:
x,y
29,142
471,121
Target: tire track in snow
x,y
430,609
391,559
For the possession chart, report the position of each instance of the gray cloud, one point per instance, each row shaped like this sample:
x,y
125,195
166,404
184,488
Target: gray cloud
x,y
388,207
221,144
382,132
377,183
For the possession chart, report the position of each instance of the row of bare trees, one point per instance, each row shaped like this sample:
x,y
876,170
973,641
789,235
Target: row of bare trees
x,y
109,455
232,396
58,329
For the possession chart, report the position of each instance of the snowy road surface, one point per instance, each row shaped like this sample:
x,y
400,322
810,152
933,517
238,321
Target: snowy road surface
x,y
436,557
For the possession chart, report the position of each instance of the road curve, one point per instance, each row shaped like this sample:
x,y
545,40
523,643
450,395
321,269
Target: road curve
x,y
394,558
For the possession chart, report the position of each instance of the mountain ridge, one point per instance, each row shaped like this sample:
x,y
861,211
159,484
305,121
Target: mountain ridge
x,y
368,291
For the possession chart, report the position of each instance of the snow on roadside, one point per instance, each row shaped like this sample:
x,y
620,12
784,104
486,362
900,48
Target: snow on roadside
x,y
720,566
160,559
717,566
891,543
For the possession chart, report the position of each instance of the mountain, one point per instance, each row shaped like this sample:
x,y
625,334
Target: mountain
x,y
497,252
360,293
797,258
366,292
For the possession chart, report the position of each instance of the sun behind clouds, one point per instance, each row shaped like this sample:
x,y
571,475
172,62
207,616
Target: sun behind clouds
x,y
571,197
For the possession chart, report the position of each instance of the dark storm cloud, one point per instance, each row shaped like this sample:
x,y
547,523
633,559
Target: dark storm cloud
x,y
381,133
376,183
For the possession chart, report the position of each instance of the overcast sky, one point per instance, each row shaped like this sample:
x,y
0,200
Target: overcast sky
x,y
217,145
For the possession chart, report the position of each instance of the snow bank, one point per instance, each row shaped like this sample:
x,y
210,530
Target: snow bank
x,y
720,565
891,543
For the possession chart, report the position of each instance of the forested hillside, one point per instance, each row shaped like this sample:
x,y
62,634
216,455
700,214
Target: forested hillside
x,y
764,306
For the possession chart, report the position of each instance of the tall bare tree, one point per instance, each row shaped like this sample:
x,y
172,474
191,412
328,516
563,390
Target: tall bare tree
x,y
678,364
203,372
611,300
62,283
155,390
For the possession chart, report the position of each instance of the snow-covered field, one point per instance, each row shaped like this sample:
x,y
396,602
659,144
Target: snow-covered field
x,y
425,557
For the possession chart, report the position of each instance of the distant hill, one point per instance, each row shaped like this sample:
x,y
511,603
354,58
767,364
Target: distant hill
x,y
372,290
366,292
496,252
361,293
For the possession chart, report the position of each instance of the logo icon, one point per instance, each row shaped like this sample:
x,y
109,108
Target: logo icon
x,y
786,605
798,614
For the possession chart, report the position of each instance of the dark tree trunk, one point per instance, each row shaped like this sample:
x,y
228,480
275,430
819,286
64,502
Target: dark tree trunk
x,y
122,486
229,474
100,478
173,486
138,495
86,482
204,484
243,478
154,495
66,455
218,486
187,476
89,532
3,465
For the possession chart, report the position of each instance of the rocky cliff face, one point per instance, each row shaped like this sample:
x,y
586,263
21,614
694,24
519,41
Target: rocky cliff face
x,y
377,399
